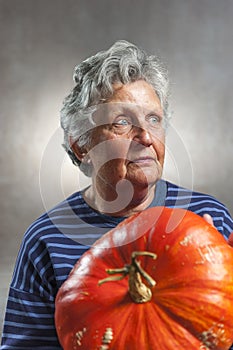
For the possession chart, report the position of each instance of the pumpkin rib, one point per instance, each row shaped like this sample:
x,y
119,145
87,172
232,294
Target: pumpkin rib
x,y
174,334
192,324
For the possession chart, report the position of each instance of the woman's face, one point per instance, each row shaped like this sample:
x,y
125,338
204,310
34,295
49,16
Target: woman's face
x,y
128,141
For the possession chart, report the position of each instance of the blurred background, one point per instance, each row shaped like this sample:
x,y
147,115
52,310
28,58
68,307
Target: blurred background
x,y
42,41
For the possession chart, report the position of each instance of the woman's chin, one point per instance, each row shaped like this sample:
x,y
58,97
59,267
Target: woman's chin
x,y
145,176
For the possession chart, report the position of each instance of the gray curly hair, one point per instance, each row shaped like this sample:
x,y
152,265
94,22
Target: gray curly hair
x,y
122,63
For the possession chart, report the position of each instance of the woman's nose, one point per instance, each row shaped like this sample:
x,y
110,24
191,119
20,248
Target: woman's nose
x,y
142,136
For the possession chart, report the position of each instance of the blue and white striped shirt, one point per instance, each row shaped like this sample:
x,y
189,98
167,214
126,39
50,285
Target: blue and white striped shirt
x,y
52,245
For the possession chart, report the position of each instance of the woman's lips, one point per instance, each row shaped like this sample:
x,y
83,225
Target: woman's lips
x,y
143,160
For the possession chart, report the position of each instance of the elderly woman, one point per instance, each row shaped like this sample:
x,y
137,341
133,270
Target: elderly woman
x,y
114,123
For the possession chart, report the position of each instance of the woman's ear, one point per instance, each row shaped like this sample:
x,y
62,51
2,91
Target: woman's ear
x,y
79,152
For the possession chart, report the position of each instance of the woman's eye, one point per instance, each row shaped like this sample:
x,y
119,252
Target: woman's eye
x,y
122,125
154,120
121,122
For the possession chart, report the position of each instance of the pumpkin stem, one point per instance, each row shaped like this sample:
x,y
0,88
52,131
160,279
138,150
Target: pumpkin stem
x,y
139,292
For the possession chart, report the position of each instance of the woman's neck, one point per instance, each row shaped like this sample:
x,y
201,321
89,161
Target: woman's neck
x,y
125,200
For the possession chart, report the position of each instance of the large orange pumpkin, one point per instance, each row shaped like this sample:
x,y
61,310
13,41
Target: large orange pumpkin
x,y
162,279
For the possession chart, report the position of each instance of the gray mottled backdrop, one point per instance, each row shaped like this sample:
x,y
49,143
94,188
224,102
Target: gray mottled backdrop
x,y
41,42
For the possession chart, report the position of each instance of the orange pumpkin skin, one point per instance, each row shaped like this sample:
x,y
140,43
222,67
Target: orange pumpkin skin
x,y
192,302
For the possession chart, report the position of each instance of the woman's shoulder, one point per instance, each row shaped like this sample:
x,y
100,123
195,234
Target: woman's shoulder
x,y
52,220
200,203
185,195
